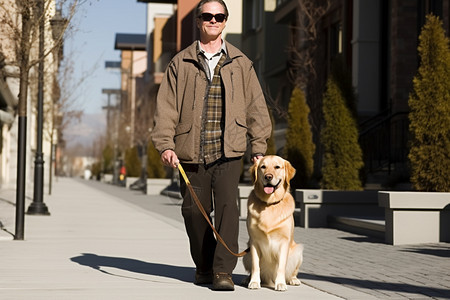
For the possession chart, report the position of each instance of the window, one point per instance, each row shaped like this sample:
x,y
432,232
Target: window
x,y
279,2
335,40
253,14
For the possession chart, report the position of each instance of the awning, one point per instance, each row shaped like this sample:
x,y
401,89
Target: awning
x,y
7,103
130,41
158,1
6,97
6,117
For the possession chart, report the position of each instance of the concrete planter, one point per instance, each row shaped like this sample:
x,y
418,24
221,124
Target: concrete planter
x,y
129,181
156,185
317,205
243,193
416,217
107,178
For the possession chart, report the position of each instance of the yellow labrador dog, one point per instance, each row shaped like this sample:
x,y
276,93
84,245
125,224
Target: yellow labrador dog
x,y
274,258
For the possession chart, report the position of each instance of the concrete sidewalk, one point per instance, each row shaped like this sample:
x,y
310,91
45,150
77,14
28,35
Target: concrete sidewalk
x,y
349,265
95,245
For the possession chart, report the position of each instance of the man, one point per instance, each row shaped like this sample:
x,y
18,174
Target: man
x,y
209,101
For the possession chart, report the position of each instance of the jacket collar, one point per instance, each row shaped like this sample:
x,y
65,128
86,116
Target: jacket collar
x,y
223,48
192,51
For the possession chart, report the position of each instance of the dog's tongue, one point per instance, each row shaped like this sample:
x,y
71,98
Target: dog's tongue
x,y
269,189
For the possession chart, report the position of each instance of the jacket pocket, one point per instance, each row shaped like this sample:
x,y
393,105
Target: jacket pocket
x,y
239,136
184,143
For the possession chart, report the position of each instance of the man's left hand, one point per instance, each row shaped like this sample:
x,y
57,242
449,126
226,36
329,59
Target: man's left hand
x,y
256,158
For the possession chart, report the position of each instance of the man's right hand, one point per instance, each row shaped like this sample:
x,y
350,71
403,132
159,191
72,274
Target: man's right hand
x,y
170,159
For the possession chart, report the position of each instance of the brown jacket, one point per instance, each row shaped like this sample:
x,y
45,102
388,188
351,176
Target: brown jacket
x,y
180,101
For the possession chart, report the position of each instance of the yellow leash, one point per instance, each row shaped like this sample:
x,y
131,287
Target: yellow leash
x,y
202,210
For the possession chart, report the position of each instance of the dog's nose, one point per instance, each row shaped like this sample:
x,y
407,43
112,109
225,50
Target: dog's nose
x,y
268,176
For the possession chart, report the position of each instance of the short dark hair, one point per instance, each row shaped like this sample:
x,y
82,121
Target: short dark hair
x,y
199,9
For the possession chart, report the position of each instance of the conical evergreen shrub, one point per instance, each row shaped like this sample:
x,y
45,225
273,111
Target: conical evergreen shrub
x,y
132,162
299,148
429,114
108,159
155,168
342,160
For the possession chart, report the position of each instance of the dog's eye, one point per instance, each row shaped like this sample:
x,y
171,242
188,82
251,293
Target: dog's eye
x,y
277,167
263,167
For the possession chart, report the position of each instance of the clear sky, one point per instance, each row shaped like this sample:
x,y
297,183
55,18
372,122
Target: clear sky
x,y
88,46
92,43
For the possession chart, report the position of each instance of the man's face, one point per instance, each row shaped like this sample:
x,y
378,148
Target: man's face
x,y
211,29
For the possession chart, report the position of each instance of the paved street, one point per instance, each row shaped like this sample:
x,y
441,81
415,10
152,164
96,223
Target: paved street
x,y
107,242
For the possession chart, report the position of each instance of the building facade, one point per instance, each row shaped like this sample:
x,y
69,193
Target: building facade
x,y
9,93
377,41
295,43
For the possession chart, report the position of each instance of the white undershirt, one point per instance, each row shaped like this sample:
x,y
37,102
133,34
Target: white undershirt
x,y
213,59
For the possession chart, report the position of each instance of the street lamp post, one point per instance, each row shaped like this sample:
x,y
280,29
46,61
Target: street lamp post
x,y
58,24
114,127
38,207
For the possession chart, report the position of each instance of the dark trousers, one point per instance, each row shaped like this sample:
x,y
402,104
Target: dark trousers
x,y
216,187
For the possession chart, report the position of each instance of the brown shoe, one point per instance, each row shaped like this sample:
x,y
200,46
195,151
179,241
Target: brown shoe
x,y
203,278
223,282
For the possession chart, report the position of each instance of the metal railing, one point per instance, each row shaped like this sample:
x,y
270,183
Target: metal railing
x,y
385,143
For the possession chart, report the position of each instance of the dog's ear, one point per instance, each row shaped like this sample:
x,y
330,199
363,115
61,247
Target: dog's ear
x,y
254,171
289,171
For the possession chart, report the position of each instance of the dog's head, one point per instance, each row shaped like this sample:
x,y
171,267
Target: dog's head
x,y
271,177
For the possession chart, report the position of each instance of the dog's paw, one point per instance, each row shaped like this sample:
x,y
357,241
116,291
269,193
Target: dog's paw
x,y
254,285
280,286
294,281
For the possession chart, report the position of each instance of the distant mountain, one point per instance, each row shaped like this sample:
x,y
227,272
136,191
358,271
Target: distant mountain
x,y
85,132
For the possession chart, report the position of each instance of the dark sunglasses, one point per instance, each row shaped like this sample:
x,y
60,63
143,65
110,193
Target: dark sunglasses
x,y
208,17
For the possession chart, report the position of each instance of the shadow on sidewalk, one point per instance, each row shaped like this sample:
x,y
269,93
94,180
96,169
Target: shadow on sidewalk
x,y
96,262
439,250
398,287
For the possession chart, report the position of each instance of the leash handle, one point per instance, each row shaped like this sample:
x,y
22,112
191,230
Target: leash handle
x,y
186,179
202,210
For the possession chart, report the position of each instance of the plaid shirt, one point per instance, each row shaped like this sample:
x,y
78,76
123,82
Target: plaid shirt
x,y
213,119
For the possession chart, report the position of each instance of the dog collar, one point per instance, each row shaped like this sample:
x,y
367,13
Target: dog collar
x,y
275,203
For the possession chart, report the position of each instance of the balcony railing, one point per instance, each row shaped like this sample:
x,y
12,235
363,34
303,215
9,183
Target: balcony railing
x,y
385,144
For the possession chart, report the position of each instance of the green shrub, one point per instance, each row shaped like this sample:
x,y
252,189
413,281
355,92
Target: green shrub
x,y
342,160
132,162
96,169
155,168
429,114
343,80
108,159
299,148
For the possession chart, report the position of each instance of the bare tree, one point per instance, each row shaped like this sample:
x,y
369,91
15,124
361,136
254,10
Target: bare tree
x,y
23,23
302,52
307,61
304,41
65,107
